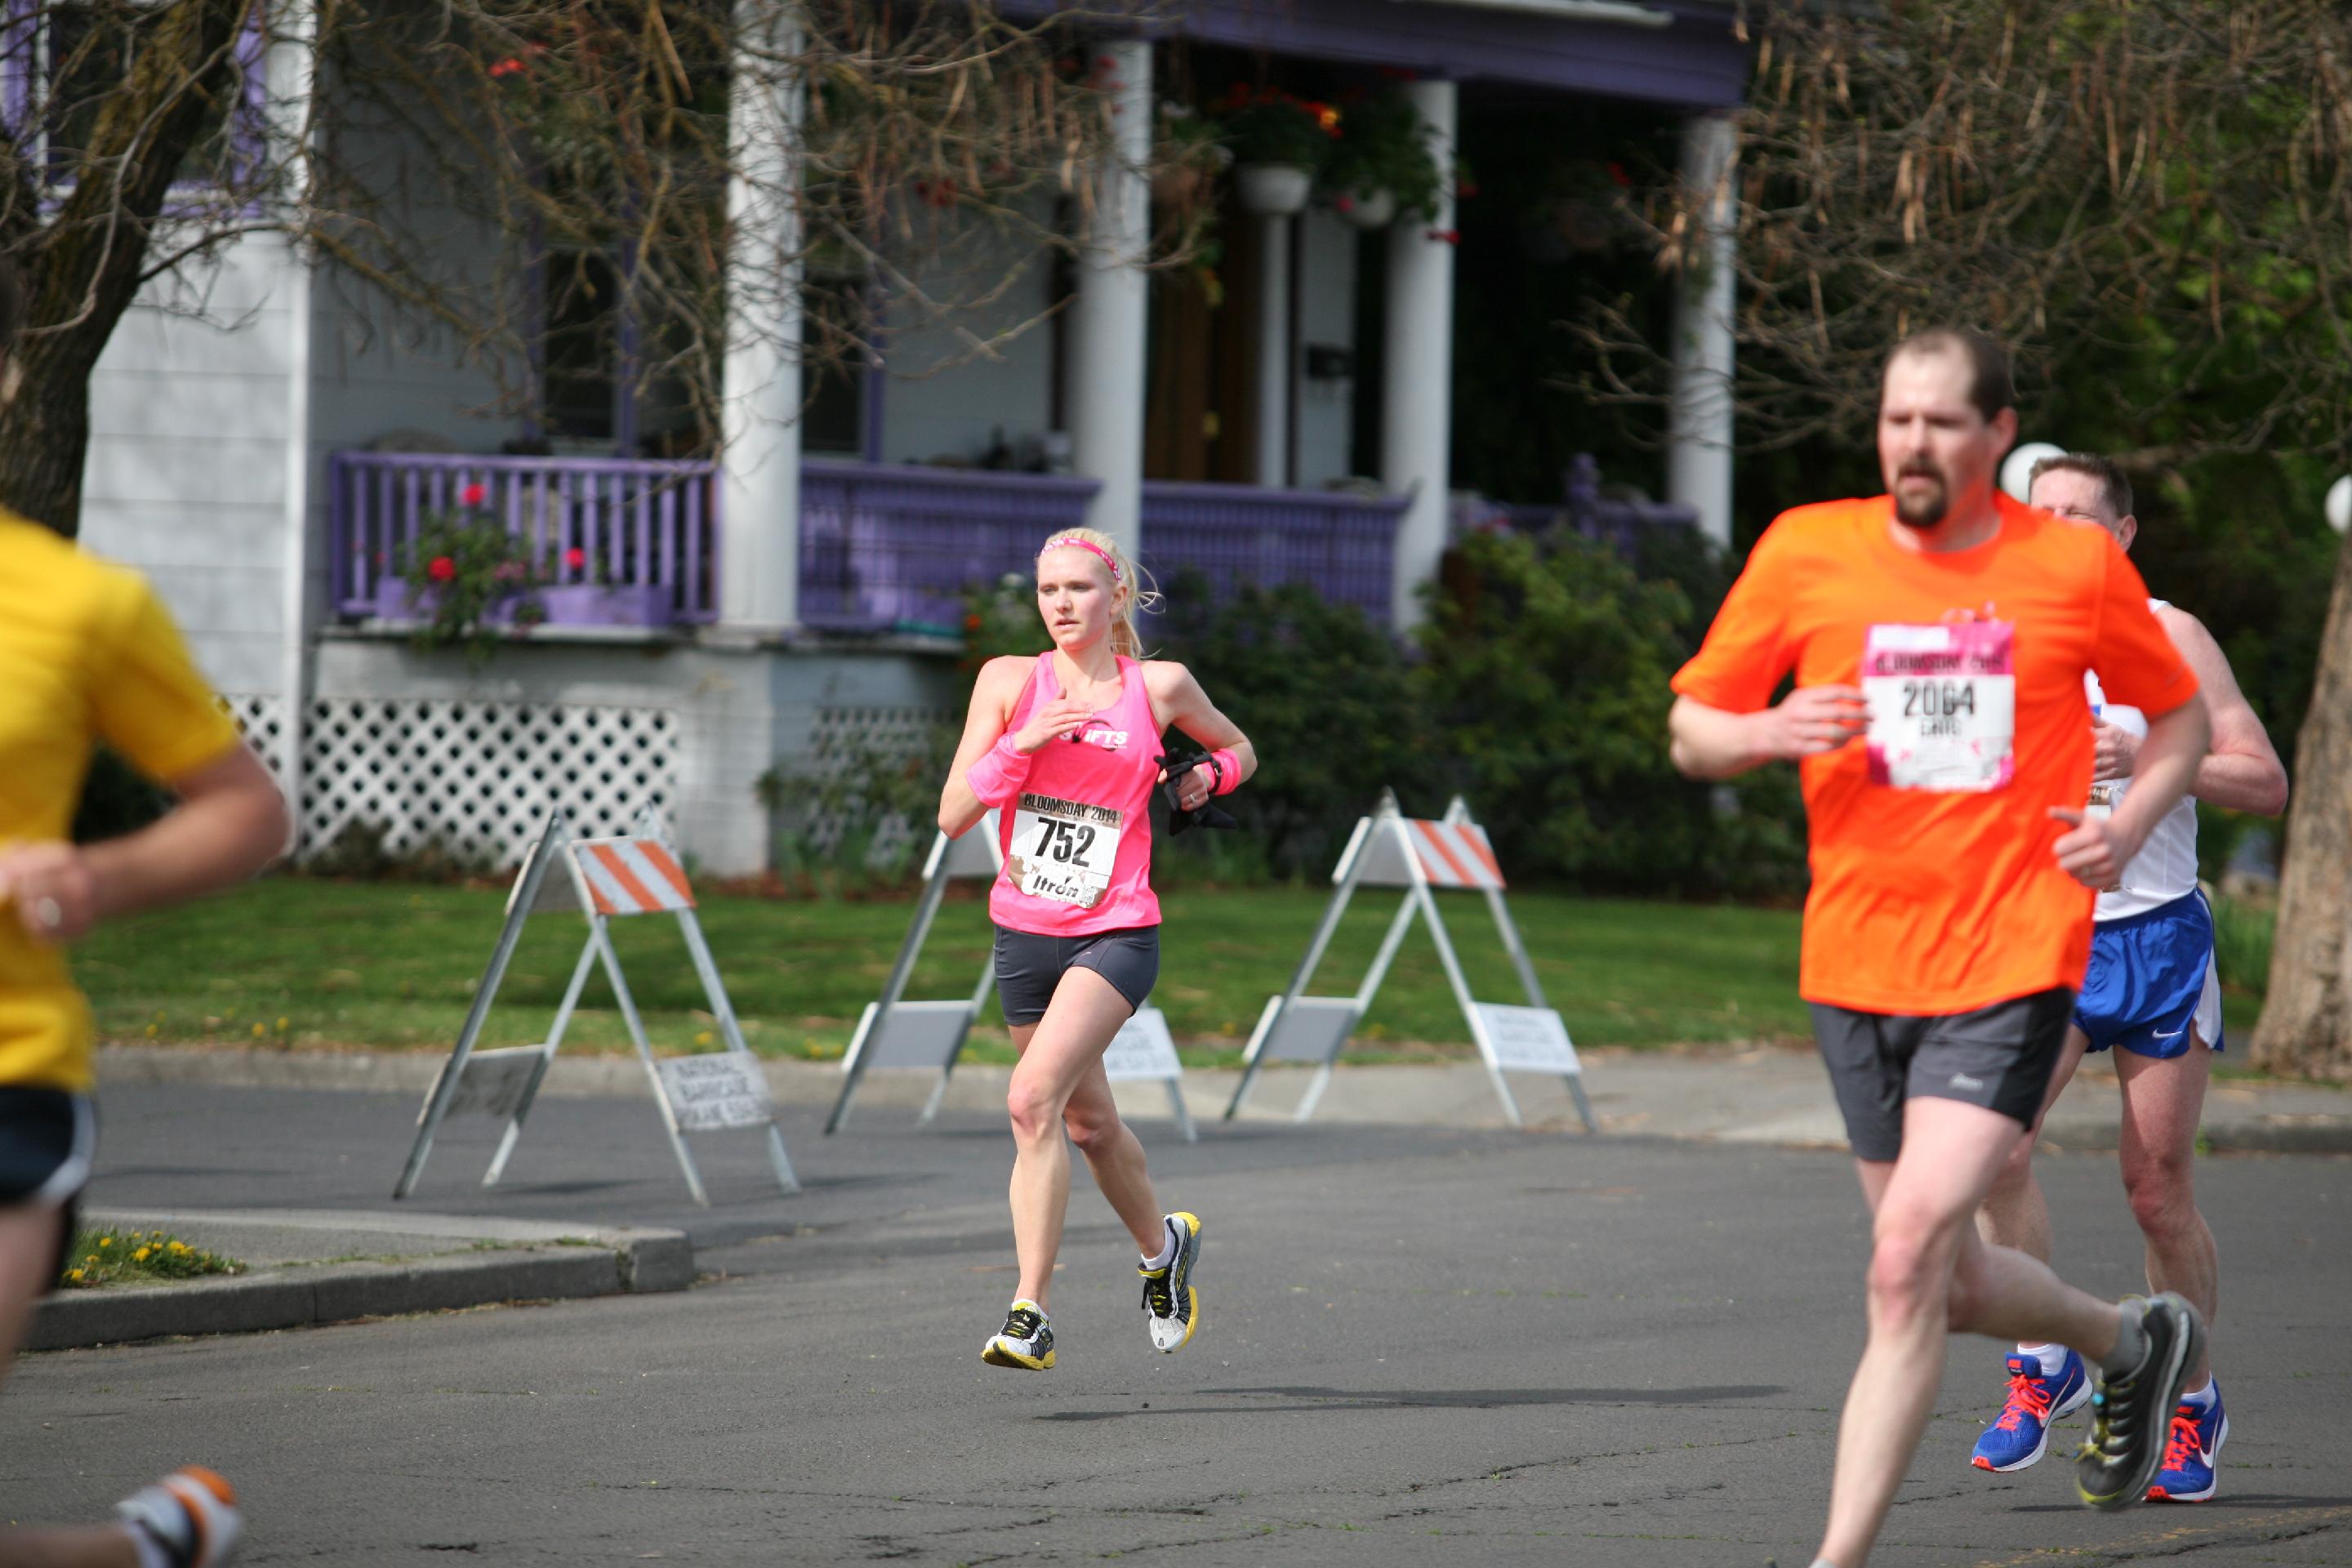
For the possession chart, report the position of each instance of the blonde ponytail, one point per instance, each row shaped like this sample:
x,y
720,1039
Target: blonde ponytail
x,y
1142,592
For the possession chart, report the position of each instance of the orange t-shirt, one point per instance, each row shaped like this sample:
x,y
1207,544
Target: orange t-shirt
x,y
1943,896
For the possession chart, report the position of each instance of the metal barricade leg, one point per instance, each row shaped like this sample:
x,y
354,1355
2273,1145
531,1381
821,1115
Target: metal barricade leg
x,y
1469,1004
519,908
554,1038
1517,949
603,942
724,1009
1183,1113
935,887
1350,867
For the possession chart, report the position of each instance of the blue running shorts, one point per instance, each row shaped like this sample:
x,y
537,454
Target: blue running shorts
x,y
2152,981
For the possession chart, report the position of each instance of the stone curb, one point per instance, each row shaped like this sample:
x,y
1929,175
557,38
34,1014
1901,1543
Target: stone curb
x,y
300,1296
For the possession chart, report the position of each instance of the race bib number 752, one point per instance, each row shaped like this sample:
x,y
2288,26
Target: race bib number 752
x,y
1063,849
1943,705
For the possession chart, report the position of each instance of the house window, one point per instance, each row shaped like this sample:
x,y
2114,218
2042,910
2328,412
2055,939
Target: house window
x,y
62,61
835,370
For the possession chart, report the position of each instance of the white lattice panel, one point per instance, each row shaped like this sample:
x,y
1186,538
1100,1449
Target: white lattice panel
x,y
262,720
845,740
478,778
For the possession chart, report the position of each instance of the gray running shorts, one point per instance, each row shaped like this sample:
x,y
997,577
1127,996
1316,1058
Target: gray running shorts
x,y
1999,1057
48,1140
1028,966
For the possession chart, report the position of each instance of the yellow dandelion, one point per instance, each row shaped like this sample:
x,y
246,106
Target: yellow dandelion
x,y
91,1259
139,1256
74,1275
281,1023
259,1030
106,1241
702,1039
180,1247
151,1031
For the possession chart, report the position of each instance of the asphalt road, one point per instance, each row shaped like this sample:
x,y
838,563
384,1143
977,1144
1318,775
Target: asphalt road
x,y
1418,1346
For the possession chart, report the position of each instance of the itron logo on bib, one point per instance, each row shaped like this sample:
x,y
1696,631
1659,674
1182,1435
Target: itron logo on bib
x,y
1943,705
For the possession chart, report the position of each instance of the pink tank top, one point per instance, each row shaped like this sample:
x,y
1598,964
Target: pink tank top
x,y
1078,840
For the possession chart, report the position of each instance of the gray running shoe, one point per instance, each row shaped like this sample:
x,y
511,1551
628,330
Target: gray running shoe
x,y
1169,1296
2132,1412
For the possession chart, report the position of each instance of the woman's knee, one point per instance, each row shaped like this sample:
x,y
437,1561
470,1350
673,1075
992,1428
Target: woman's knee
x,y
1035,1109
1093,1129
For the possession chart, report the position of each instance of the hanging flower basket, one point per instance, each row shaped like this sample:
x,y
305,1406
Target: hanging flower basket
x,y
1274,190
1366,209
1279,145
1385,155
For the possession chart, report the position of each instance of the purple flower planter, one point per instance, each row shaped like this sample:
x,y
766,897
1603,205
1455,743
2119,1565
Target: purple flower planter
x,y
594,604
396,601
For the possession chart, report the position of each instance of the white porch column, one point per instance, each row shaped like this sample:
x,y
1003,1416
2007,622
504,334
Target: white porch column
x,y
1109,323
1274,369
1698,460
1417,401
759,532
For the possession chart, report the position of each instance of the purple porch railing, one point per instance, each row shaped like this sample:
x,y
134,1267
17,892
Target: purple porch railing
x,y
882,546
638,523
893,547
1240,536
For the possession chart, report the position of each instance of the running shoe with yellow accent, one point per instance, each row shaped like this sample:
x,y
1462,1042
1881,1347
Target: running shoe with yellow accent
x,y
190,1516
1169,1297
2131,1412
1026,1339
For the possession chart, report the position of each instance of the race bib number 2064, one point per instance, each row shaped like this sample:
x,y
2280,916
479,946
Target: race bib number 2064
x,y
1943,705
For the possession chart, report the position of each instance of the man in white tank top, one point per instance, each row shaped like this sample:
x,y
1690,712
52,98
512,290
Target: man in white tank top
x,y
2152,994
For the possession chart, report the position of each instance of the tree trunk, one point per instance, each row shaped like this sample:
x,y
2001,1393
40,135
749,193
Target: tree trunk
x,y
82,269
2306,1028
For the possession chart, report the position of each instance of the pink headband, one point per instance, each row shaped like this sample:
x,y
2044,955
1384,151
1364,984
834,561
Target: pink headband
x,y
1082,544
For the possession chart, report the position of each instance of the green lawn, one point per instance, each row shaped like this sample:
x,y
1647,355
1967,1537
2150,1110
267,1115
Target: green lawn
x,y
303,963
298,962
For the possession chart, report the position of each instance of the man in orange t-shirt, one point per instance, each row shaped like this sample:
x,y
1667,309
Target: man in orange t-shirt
x,y
1939,636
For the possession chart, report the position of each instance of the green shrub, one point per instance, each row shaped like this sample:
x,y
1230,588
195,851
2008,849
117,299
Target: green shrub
x,y
1546,674
2242,943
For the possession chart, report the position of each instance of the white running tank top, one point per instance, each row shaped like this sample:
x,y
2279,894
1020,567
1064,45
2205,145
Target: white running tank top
x,y
2166,866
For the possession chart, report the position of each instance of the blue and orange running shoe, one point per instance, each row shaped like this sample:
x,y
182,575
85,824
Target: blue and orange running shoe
x,y
2019,1435
2190,1450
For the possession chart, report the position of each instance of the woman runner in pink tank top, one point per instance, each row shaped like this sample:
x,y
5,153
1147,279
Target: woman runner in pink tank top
x,y
1066,748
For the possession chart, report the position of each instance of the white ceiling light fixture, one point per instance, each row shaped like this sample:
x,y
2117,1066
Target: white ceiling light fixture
x,y
1620,12
2017,469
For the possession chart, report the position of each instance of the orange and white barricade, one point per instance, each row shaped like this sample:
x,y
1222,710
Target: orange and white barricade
x,y
1423,856
605,880
928,1037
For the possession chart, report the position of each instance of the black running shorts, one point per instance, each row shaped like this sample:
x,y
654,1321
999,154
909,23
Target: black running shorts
x,y
1999,1057
47,1138
1029,966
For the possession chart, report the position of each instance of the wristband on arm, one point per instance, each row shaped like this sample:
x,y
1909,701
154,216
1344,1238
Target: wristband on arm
x,y
998,776
1227,768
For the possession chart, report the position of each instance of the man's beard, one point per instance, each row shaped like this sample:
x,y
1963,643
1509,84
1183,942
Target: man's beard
x,y
1927,511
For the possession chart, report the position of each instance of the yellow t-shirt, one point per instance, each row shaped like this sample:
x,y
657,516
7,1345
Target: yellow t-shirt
x,y
87,653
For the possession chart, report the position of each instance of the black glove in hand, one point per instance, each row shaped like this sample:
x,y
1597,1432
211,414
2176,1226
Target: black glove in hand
x,y
1206,815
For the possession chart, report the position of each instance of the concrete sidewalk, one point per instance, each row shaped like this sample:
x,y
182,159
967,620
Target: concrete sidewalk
x,y
1763,1095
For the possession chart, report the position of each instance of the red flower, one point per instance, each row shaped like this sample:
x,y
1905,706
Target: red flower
x,y
1617,173
508,67
472,494
575,558
972,623
441,569
1345,203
